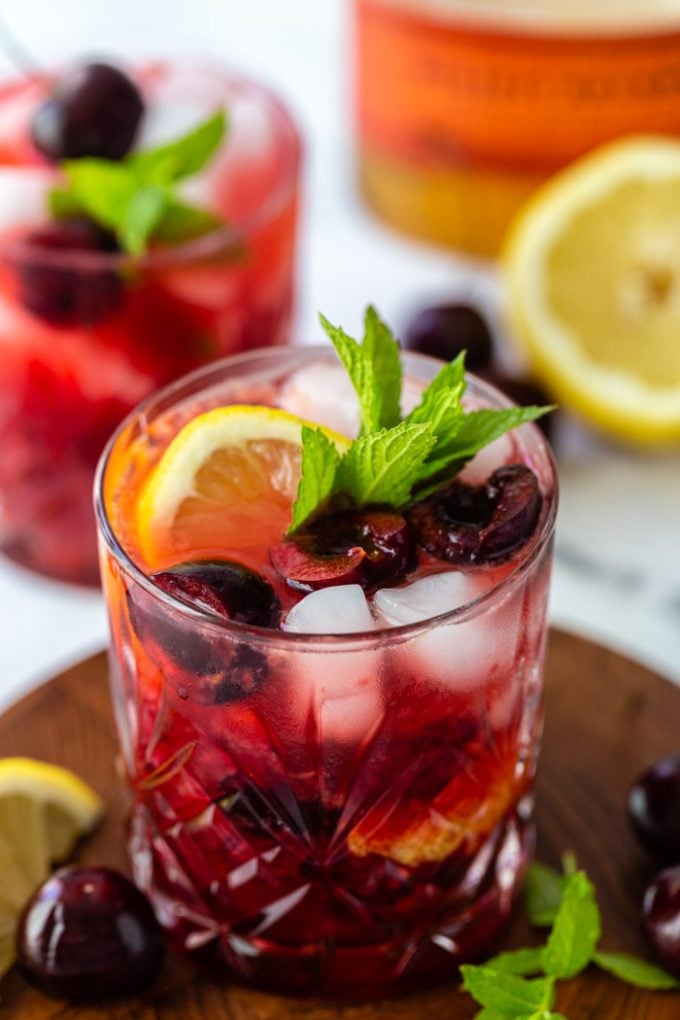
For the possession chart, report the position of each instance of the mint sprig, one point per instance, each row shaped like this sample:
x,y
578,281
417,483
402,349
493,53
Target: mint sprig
x,y
136,198
395,459
507,986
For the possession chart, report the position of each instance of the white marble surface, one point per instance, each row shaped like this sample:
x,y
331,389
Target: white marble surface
x,y
617,575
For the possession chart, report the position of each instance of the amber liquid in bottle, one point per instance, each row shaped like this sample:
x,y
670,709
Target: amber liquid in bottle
x,y
463,108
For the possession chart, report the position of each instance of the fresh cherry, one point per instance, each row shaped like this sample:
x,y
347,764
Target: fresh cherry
x,y
226,589
443,331
661,917
479,524
76,295
95,110
654,808
89,933
367,547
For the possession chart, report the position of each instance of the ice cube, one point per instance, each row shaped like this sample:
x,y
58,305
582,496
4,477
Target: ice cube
x,y
322,393
503,450
23,195
339,688
460,655
340,609
421,600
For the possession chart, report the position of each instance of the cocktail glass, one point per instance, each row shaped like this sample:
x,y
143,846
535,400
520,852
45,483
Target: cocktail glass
x,y
345,815
70,374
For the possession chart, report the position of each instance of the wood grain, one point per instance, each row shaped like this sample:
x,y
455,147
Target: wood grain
x,y
607,718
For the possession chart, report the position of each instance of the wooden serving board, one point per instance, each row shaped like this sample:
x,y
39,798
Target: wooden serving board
x,y
607,718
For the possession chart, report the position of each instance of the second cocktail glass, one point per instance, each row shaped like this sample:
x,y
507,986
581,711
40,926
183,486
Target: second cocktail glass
x,y
86,334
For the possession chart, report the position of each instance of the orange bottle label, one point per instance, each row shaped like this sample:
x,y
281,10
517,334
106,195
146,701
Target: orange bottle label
x,y
435,92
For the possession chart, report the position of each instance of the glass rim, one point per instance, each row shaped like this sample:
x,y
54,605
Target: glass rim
x,y
320,642
218,241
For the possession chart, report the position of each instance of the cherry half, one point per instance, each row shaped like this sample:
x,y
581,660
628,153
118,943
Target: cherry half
x,y
654,808
69,295
95,110
89,933
366,547
469,524
227,589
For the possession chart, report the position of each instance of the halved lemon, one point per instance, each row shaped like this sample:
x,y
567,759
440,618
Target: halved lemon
x,y
226,481
44,811
592,267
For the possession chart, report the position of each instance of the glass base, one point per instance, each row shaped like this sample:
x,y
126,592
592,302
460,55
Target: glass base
x,y
434,927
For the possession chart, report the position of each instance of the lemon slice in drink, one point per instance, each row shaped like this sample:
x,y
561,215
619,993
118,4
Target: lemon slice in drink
x,y
593,277
44,811
227,480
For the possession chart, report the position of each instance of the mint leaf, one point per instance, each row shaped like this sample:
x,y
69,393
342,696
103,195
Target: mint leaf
x,y
382,350
134,197
506,994
543,891
383,466
320,460
360,371
182,157
576,930
518,961
479,428
636,972
142,215
183,222
101,189
374,368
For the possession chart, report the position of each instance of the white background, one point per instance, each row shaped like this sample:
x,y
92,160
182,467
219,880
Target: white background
x,y
618,555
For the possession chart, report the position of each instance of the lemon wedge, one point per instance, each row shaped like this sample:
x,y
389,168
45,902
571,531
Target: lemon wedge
x,y
227,480
592,267
44,811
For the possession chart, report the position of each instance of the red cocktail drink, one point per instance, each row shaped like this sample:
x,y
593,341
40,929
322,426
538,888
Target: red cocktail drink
x,y
333,788
87,330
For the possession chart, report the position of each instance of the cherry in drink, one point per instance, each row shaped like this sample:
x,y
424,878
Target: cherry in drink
x,y
331,732
134,246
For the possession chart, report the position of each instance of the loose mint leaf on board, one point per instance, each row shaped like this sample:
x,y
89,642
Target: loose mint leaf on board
x,y
635,971
576,930
382,467
507,994
382,350
320,461
543,891
518,961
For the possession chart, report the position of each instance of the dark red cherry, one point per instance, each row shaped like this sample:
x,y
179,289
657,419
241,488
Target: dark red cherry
x,y
661,917
226,589
469,524
89,933
78,294
95,110
202,665
443,331
654,808
367,547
